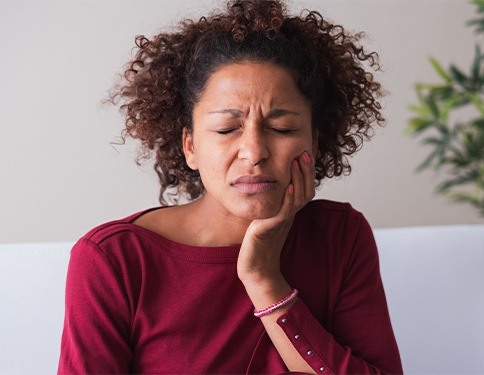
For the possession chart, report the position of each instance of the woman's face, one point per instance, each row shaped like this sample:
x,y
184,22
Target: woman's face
x,y
250,123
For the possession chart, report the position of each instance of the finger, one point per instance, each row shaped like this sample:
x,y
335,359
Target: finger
x,y
267,226
308,172
297,180
285,212
287,203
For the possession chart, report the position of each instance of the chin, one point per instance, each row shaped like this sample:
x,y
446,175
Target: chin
x,y
257,209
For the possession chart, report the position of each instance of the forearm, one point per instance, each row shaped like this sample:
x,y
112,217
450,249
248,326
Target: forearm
x,y
306,346
264,294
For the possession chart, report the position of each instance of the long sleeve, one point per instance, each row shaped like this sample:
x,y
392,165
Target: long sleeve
x,y
139,303
136,302
360,339
97,317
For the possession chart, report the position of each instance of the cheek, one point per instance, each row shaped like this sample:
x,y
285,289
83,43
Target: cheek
x,y
284,160
292,151
211,161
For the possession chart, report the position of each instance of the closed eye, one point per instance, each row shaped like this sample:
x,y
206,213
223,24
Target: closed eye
x,y
226,131
281,130
272,129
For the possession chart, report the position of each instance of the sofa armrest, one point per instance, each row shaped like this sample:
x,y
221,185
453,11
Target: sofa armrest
x,y
32,286
434,281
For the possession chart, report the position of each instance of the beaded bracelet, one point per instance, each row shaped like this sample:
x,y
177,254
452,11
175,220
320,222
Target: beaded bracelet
x,y
277,305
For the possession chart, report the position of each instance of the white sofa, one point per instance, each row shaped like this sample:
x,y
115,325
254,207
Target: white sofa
x,y
433,276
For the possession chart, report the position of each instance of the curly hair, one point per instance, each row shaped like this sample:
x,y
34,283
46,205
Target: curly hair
x,y
167,75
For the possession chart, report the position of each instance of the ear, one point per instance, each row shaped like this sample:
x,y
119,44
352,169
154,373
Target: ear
x,y
315,142
188,149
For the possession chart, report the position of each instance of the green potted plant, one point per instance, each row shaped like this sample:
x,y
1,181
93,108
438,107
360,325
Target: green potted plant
x,y
457,146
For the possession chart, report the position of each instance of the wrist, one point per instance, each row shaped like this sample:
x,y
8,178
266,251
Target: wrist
x,y
266,292
260,276
285,302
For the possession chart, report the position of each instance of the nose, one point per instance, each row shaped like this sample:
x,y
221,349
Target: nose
x,y
253,146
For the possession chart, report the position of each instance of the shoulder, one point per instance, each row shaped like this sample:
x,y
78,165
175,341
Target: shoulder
x,y
110,229
328,205
335,222
324,211
117,247
114,239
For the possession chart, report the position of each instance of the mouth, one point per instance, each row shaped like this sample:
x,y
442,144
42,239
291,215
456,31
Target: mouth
x,y
254,184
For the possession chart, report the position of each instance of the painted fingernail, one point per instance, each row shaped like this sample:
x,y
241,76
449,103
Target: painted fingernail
x,y
306,157
295,164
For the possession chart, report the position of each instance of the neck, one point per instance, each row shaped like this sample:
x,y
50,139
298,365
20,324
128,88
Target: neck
x,y
213,225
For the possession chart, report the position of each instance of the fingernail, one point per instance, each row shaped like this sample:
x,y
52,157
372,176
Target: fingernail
x,y
295,164
306,157
291,189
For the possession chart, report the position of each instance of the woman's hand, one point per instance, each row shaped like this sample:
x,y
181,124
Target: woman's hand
x,y
259,264
259,258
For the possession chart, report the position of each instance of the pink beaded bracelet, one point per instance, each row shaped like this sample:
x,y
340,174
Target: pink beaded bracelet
x,y
277,305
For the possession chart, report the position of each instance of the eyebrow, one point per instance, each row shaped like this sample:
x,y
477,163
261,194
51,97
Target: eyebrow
x,y
273,113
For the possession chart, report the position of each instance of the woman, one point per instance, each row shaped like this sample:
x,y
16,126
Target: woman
x,y
245,112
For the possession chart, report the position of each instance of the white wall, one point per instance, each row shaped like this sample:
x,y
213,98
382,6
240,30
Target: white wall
x,y
59,175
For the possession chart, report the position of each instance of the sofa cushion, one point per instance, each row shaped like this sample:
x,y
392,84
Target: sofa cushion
x,y
433,277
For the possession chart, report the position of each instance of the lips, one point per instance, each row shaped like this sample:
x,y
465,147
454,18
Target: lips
x,y
254,184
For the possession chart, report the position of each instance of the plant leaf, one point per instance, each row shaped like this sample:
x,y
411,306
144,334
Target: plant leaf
x,y
476,66
463,197
433,141
478,123
458,76
418,124
476,100
434,109
443,187
440,71
428,161
417,108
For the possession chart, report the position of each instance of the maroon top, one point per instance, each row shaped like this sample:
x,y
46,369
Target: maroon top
x,y
137,302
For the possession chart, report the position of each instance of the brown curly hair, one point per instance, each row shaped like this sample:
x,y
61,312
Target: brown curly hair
x,y
165,78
